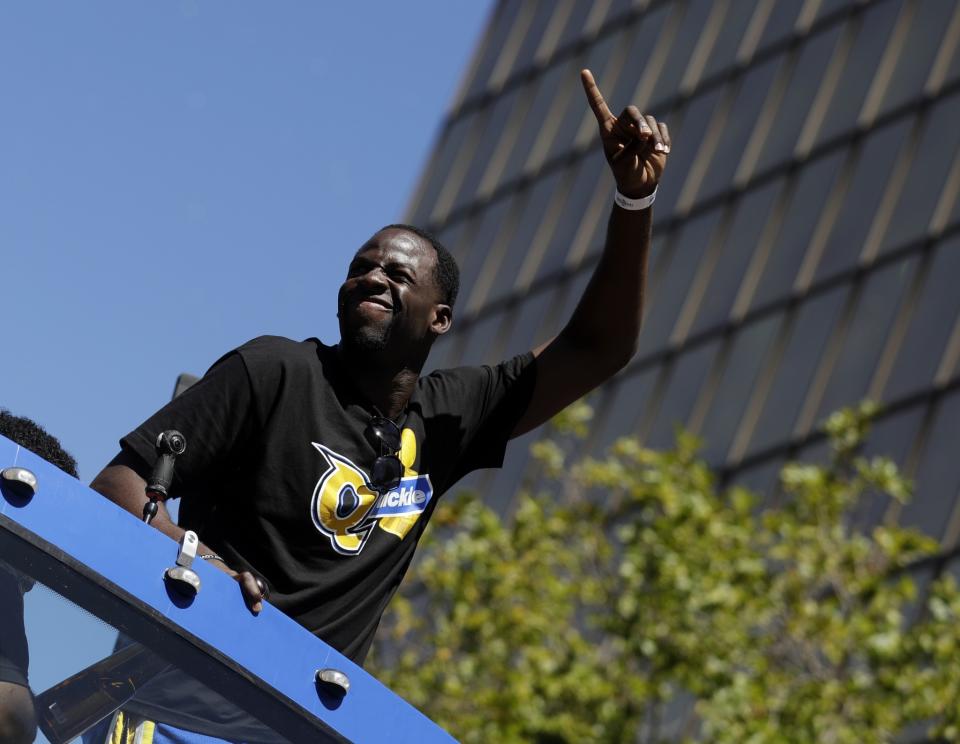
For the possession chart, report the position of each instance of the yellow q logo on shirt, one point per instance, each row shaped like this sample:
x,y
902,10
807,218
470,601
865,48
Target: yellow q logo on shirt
x,y
341,502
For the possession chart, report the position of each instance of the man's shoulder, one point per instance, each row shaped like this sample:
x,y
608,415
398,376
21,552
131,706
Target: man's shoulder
x,y
440,377
512,364
462,382
279,349
269,357
282,343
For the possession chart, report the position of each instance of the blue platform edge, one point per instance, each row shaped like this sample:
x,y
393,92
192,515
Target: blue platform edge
x,y
271,646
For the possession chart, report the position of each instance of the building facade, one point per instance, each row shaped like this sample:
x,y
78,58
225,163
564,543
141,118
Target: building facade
x,y
807,230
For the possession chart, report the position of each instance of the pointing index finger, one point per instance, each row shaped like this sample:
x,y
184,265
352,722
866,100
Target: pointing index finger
x,y
595,97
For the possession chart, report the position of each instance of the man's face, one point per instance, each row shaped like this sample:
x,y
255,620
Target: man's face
x,y
390,298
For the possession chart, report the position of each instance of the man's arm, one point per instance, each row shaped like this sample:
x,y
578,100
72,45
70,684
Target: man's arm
x,y
120,482
601,336
214,415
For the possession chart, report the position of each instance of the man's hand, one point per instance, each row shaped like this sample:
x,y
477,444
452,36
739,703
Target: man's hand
x,y
250,587
636,146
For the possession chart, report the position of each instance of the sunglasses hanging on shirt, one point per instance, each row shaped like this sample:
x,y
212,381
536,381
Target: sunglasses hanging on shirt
x,y
384,436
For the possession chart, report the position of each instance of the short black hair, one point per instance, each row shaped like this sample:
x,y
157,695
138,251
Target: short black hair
x,y
446,273
30,435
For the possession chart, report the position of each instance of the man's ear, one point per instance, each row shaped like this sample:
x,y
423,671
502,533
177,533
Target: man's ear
x,y
442,319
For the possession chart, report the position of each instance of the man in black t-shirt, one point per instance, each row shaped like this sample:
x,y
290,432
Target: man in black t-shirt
x,y
311,471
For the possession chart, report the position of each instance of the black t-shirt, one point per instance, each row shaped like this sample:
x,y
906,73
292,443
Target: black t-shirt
x,y
275,474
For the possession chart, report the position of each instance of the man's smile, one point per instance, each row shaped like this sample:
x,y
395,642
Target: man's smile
x,y
379,303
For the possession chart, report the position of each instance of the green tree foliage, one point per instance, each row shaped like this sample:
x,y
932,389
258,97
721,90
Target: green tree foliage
x,y
624,584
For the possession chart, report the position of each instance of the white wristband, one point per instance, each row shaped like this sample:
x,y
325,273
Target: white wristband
x,y
625,202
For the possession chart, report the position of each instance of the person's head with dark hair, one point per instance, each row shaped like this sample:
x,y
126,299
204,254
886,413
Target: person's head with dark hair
x,y
397,299
30,435
446,273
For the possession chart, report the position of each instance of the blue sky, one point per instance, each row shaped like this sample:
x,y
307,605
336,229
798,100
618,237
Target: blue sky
x,y
178,177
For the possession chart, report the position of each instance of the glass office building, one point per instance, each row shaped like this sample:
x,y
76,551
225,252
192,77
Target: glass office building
x,y
806,246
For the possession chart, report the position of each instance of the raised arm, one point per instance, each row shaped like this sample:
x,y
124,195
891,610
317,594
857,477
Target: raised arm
x,y
601,335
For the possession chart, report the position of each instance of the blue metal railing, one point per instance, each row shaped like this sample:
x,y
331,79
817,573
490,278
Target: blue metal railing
x,y
102,558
